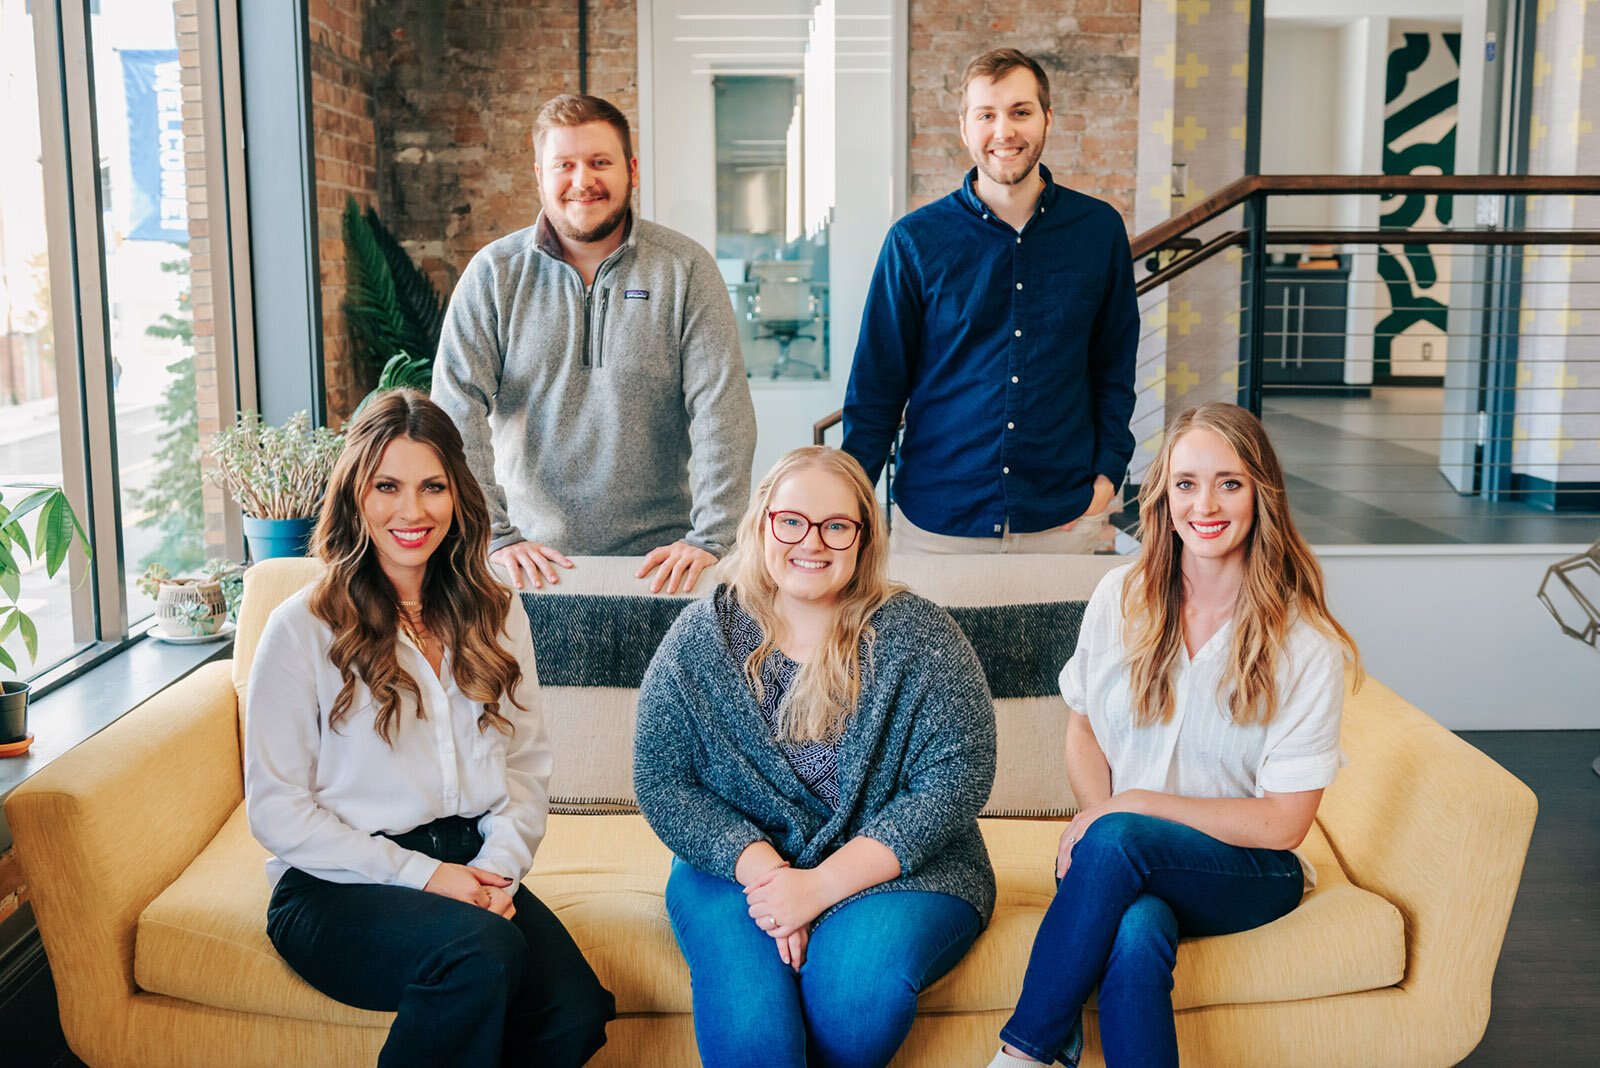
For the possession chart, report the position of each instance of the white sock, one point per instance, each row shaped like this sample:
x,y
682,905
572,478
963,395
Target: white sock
x,y
1006,1060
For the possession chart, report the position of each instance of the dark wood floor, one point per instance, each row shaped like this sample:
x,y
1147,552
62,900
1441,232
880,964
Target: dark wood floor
x,y
1546,1010
1546,1000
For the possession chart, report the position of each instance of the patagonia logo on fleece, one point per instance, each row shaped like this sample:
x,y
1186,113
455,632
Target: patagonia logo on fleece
x,y
635,294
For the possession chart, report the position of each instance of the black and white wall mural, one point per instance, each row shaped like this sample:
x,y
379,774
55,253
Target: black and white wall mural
x,y
1419,137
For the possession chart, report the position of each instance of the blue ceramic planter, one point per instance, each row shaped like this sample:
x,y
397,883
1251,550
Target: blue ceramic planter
x,y
272,538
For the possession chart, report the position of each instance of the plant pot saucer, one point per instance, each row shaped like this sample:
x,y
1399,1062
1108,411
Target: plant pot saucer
x,y
11,749
224,631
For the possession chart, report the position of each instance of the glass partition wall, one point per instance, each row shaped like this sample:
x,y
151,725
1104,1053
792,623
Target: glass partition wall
x,y
774,135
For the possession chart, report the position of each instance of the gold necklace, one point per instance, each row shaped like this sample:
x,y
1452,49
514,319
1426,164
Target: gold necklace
x,y
418,634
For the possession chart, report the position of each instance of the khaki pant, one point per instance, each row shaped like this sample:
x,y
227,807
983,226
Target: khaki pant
x,y
1084,537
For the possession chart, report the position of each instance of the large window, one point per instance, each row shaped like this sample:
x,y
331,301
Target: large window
x,y
139,113
111,281
30,424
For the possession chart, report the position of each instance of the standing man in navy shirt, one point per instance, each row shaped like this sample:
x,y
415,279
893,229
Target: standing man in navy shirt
x,y
1002,321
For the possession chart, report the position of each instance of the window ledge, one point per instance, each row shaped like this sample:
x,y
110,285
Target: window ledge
x,y
83,705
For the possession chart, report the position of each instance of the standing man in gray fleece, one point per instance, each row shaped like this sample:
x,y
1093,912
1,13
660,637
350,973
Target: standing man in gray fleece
x,y
592,364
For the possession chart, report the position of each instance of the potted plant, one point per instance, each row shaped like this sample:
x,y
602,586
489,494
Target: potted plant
x,y
53,535
277,474
185,607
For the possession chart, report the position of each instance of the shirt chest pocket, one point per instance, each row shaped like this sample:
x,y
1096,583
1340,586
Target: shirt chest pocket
x,y
633,333
1067,303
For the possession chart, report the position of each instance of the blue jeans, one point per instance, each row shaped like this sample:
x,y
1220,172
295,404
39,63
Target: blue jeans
x,y
855,997
469,988
1135,884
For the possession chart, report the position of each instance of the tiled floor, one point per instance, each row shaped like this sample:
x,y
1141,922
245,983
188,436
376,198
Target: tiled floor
x,y
1365,470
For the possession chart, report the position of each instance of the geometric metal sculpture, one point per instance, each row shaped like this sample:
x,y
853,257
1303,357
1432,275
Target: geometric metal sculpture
x,y
1571,591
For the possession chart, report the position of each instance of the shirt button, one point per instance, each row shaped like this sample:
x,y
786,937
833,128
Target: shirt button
x,y
1011,426
1005,470
1018,333
1019,285
1019,239
1014,379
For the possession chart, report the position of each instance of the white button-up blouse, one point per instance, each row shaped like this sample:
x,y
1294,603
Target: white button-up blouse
x,y
317,797
1200,751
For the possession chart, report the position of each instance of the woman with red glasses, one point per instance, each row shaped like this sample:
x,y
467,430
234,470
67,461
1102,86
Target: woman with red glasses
x,y
814,744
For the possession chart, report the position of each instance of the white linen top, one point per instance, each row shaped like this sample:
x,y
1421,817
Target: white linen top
x,y
317,797
1200,751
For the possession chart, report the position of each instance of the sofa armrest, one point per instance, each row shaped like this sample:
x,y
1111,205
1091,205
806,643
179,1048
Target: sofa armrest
x,y
109,825
1438,829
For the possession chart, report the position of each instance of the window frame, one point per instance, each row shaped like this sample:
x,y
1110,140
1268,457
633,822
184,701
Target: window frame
x,y
75,243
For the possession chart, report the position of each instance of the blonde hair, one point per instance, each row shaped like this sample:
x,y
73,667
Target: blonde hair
x,y
461,601
826,689
1282,580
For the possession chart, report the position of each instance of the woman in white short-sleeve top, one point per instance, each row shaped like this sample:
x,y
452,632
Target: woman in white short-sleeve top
x,y
1205,697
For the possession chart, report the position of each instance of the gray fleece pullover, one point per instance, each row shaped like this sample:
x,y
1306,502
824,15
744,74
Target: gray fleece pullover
x,y
604,420
916,763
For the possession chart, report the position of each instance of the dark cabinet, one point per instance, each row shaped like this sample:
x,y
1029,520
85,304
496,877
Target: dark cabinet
x,y
1305,314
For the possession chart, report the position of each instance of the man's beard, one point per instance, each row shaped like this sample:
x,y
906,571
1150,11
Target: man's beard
x,y
1024,164
599,232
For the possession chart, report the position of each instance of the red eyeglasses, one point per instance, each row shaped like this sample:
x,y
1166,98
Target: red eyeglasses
x,y
792,528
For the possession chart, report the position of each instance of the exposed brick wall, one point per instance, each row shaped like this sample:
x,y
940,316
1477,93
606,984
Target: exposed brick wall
x,y
1089,49
459,83
345,139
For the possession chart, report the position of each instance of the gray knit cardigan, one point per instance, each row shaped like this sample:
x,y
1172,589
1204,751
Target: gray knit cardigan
x,y
916,762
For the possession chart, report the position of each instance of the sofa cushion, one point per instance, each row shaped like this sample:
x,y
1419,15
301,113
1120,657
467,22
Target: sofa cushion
x,y
204,939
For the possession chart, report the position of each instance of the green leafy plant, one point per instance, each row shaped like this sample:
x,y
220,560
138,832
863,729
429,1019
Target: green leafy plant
x,y
56,527
276,472
230,576
150,582
401,370
390,306
196,615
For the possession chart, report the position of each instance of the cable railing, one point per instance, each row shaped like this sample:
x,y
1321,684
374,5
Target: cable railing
x,y
1425,384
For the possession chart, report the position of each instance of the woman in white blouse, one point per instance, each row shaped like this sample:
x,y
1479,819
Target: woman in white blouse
x,y
397,768
1205,696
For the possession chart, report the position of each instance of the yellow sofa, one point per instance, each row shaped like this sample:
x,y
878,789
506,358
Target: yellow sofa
x,y
151,897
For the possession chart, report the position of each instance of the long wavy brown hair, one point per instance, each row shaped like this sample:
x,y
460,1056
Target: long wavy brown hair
x,y
461,601
1282,580
825,691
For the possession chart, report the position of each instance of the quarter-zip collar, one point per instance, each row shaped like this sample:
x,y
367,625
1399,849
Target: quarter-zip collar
x,y
546,241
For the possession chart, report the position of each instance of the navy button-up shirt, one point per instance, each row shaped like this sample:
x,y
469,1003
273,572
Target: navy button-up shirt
x,y
1011,355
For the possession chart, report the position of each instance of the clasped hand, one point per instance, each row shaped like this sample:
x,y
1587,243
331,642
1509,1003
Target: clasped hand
x,y
475,886
783,902
1127,801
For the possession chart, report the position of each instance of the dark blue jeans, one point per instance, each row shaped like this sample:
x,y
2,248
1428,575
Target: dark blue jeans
x,y
470,988
855,997
1135,884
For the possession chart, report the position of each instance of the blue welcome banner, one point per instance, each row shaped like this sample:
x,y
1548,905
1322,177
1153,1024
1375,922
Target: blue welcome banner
x,y
154,90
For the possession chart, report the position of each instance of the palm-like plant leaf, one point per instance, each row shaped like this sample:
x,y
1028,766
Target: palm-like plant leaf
x,y
391,305
371,306
420,302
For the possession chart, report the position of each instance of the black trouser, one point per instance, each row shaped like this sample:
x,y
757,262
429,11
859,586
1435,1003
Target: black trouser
x,y
470,987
